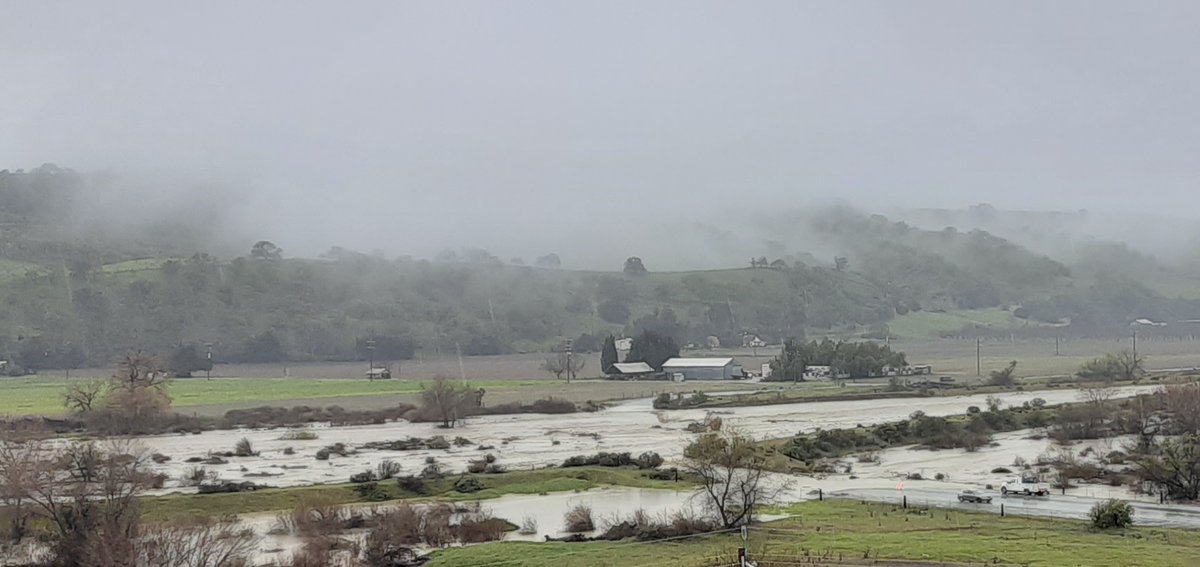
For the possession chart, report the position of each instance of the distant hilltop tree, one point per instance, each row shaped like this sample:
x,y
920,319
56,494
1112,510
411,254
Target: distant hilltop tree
x,y
550,260
634,266
266,250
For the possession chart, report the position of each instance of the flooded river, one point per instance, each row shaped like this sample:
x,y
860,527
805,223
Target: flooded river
x,y
537,440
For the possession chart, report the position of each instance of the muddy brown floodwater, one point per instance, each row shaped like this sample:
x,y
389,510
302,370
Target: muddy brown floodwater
x,y
537,440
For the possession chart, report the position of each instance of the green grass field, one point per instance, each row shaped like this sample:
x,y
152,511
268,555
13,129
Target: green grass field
x,y
168,508
12,269
868,532
929,324
43,396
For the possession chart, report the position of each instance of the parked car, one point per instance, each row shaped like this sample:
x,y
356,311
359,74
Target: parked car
x,y
974,497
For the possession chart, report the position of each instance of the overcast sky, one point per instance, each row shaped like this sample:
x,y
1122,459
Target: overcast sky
x,y
411,127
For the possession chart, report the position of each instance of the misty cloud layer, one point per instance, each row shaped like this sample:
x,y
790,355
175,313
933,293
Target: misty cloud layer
x,y
532,127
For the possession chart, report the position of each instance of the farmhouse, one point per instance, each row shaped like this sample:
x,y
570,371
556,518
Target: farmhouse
x,y
702,369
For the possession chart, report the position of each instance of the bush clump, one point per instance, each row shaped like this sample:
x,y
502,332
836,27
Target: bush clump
x,y
363,477
386,469
338,449
468,485
647,460
370,492
413,484
1111,514
579,520
243,448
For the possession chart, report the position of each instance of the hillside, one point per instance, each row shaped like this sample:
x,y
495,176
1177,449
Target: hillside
x,y
271,309
77,295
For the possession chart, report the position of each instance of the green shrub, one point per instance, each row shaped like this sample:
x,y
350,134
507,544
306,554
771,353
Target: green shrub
x,y
1112,514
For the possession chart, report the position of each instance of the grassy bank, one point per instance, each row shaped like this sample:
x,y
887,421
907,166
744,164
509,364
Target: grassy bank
x,y
43,396
166,508
853,530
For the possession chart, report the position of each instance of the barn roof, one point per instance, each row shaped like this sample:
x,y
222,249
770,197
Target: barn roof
x,y
698,362
632,367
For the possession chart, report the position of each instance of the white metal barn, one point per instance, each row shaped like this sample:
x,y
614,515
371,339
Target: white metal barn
x,y
702,369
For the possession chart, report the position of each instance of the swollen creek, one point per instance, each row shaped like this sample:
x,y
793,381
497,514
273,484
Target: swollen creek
x,y
527,441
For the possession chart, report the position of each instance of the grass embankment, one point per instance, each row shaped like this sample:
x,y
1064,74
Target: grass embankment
x,y
883,532
175,507
42,396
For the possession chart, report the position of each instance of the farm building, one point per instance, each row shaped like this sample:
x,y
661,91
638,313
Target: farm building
x,y
631,370
702,369
817,372
382,373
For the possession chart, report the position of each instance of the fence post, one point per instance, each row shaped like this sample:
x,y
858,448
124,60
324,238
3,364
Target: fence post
x,y
1001,509
820,494
905,500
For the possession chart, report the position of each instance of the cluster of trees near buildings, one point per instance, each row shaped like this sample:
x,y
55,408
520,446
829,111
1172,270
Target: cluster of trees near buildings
x,y
854,359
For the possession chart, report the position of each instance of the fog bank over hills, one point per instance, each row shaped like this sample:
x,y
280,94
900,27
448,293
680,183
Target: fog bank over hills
x,y
692,134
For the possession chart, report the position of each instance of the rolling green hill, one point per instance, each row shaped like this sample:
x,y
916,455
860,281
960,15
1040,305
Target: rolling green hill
x,y
72,297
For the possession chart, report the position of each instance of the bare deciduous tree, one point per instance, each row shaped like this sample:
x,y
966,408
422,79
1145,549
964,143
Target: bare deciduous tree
x,y
1142,418
88,496
138,369
203,544
1174,468
730,468
1183,404
448,401
81,397
17,460
560,364
1095,407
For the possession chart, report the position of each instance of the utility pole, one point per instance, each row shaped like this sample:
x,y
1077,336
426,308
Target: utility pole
x,y
569,347
371,359
1135,344
978,358
462,371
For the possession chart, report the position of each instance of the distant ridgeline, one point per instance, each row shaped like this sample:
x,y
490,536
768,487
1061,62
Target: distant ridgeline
x,y
72,299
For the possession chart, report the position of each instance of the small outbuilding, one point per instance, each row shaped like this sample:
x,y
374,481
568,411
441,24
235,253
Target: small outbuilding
x,y
631,370
379,373
702,369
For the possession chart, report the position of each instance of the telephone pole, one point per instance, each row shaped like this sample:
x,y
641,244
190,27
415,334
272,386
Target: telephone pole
x,y
569,347
371,359
978,358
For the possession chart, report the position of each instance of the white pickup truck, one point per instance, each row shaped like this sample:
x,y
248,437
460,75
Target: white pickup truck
x,y
1027,485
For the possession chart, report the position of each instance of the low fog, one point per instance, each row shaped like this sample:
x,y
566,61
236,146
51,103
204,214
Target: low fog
x,y
689,133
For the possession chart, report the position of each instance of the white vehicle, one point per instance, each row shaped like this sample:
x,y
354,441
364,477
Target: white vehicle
x,y
1027,485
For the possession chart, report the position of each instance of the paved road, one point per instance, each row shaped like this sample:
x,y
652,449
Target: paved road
x,y
1054,506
